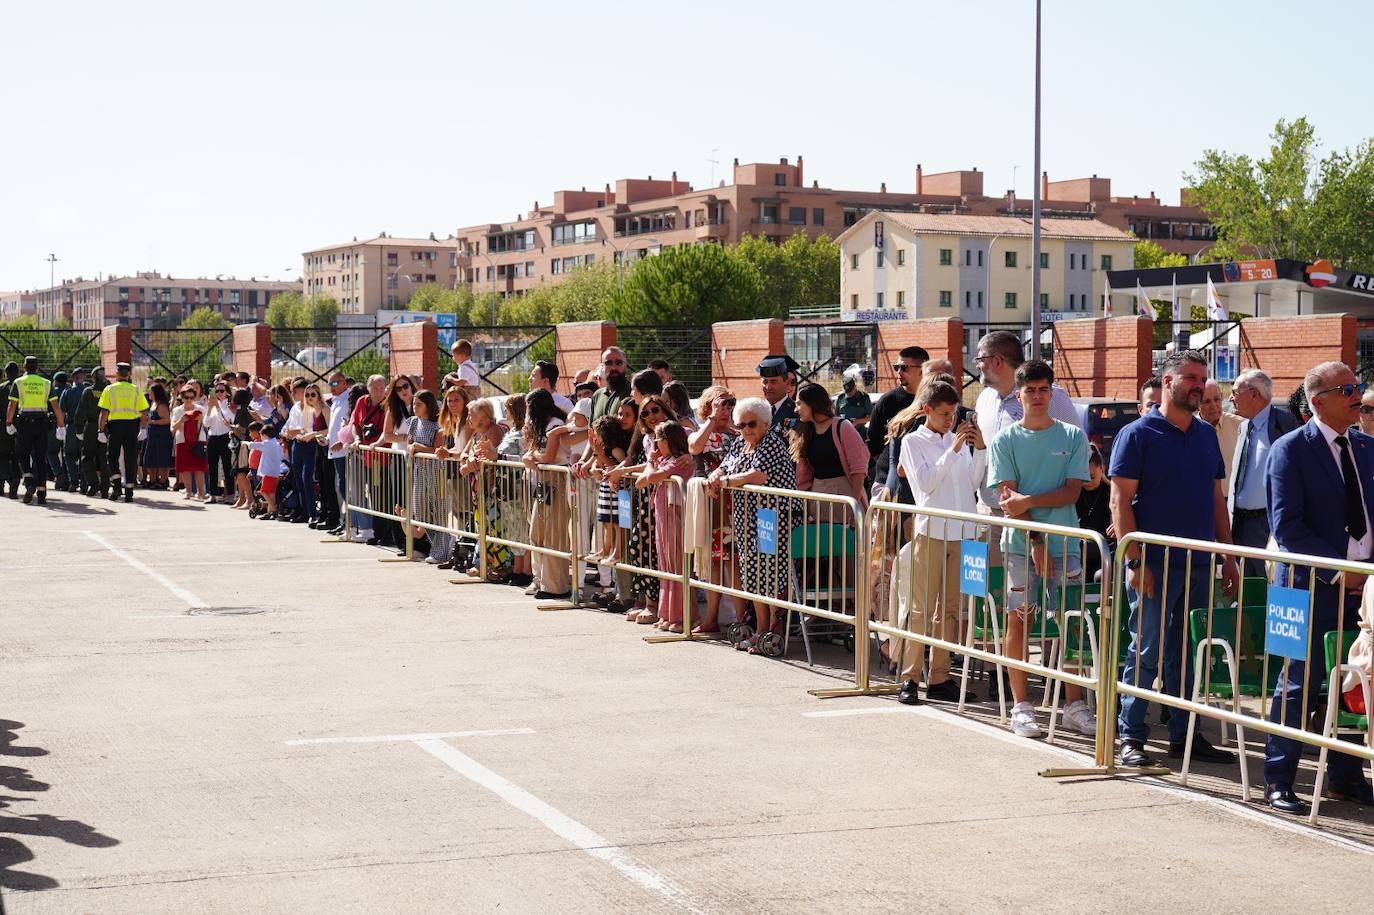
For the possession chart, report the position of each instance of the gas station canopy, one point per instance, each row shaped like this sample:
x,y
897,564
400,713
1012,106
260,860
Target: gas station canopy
x,y
1262,288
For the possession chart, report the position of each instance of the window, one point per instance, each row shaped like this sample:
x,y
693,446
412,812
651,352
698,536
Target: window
x,y
980,298
946,257
391,281
901,257
1044,300
879,299
901,298
818,216
968,299
1009,299
429,277
556,266
980,257
392,259
529,268
946,298
854,262
1073,260
780,179
1106,262
851,217
879,263
1044,261
571,233
768,214
968,257
1009,259
796,216
854,302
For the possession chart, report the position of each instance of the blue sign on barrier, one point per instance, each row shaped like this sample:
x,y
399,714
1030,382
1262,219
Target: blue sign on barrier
x,y
768,531
1285,626
622,501
973,568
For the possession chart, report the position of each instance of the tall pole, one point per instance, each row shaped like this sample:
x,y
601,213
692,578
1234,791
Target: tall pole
x,y
52,286
1035,203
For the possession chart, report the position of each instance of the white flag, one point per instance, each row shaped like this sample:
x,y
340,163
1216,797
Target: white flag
x,y
1178,307
1107,301
1142,302
1215,310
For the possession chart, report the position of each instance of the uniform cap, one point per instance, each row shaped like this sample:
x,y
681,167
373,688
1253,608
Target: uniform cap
x,y
60,378
123,368
772,366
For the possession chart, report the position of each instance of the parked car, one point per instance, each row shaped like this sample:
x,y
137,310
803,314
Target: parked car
x,y
1104,417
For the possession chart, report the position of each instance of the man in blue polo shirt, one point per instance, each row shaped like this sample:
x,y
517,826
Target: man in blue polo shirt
x,y
1166,479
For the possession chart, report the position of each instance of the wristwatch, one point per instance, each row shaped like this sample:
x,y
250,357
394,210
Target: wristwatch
x,y
1132,564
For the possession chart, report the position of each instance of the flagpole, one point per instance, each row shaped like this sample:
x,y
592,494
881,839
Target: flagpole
x,y
1035,204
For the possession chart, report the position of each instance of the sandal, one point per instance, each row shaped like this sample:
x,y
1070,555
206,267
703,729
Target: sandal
x,y
632,614
674,628
704,630
646,616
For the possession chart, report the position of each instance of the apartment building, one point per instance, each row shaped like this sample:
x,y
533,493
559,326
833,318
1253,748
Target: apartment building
x,y
642,216
379,273
149,300
18,304
897,266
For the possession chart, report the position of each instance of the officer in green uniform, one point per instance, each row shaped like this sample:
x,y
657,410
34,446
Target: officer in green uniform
x,y
853,403
123,414
95,470
27,420
9,463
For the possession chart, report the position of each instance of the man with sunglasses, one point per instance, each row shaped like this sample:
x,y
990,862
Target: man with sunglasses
x,y
1321,503
1367,413
1262,425
908,369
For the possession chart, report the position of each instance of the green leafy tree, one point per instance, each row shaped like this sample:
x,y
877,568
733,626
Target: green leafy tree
x,y
798,272
1148,254
291,309
693,284
1290,204
198,348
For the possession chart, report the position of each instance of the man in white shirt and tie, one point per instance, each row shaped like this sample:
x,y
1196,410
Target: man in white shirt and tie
x,y
1263,425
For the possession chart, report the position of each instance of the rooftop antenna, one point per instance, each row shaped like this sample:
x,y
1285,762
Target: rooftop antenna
x,y
714,162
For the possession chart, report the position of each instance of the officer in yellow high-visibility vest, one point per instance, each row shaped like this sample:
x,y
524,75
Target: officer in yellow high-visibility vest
x,y
123,416
27,420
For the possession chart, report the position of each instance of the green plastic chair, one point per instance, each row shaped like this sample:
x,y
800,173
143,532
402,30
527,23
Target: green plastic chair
x,y
1222,652
828,543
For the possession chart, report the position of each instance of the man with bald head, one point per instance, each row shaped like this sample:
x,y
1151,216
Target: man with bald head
x,y
1260,426
1226,424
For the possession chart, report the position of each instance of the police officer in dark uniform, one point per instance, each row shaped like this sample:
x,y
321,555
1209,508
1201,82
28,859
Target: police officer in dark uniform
x,y
69,400
9,461
57,469
27,420
95,469
778,377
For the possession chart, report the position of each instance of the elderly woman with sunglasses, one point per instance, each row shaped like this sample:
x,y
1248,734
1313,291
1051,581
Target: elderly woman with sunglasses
x,y
188,438
758,457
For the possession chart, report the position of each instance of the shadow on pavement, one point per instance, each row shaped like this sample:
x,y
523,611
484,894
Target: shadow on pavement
x,y
14,852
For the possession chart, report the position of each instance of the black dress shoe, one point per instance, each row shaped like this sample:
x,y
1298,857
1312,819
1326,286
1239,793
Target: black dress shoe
x,y
909,695
1202,750
549,595
1282,799
1132,754
947,691
1356,792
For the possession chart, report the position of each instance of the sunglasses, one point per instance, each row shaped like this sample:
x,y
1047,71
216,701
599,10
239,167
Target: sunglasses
x,y
402,387
1346,390
221,390
1366,410
651,411
187,395
750,424
727,402
311,395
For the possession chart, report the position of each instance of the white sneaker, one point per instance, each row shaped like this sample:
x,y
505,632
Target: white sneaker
x,y
435,560
1023,722
1078,717
361,537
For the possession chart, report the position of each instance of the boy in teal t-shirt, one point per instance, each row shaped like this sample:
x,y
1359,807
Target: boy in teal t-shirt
x,y
1038,466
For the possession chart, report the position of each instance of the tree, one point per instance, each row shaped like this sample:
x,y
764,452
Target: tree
x,y
692,284
1281,206
199,347
1148,254
798,272
291,309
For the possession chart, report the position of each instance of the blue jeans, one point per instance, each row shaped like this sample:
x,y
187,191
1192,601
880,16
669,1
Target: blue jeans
x,y
303,476
1142,658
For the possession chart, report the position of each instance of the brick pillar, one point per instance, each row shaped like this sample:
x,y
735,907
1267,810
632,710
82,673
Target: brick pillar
x,y
579,345
116,345
253,350
1285,348
415,352
736,349
943,338
1103,357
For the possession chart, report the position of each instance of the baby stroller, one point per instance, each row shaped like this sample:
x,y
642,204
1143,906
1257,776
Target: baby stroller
x,y
286,494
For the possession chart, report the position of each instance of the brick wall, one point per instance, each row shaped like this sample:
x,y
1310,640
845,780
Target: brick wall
x,y
736,349
1285,348
415,352
253,349
116,345
579,346
943,338
1103,357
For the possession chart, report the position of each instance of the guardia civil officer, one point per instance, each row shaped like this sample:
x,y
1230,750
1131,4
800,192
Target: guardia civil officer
x,y
69,400
123,415
9,462
95,469
777,377
27,420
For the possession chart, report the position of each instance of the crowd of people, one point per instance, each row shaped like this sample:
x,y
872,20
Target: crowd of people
x,y
628,469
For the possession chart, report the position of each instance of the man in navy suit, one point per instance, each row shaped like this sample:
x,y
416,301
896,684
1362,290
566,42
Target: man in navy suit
x,y
1262,425
1320,503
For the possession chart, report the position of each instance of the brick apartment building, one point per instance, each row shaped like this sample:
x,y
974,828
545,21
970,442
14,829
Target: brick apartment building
x,y
644,215
17,304
379,273
149,299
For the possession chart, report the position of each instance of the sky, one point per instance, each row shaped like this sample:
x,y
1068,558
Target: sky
x,y
203,139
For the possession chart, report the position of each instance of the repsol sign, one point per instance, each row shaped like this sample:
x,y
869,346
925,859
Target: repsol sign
x,y
1361,281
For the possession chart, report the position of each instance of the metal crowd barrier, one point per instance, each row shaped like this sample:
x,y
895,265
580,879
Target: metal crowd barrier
x,y
1239,647
913,575
442,504
536,508
376,483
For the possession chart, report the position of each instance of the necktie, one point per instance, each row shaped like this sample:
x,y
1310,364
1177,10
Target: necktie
x,y
1355,524
1243,470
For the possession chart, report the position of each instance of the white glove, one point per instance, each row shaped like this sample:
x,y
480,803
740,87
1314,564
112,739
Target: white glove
x,y
78,436
61,433
142,433
9,430
102,438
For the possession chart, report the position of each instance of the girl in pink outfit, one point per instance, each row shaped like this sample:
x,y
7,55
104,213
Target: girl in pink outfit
x,y
671,460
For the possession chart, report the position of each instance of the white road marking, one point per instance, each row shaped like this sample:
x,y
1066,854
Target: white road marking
x,y
409,738
1236,808
192,601
560,824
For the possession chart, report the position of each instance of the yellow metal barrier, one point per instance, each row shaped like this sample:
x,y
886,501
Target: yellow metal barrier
x,y
442,504
377,483
536,507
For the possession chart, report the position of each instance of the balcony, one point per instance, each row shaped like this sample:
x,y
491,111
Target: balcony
x,y
712,229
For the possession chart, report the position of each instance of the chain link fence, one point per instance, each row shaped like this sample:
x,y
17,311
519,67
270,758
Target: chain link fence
x,y
687,350
56,350
825,350
199,354
503,356
315,352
